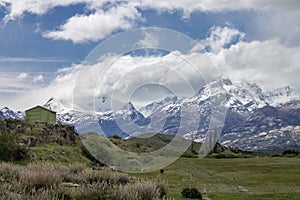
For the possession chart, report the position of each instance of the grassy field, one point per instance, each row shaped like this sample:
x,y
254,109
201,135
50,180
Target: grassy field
x,y
57,160
251,178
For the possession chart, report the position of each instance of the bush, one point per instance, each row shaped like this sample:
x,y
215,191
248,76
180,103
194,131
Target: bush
x,y
8,146
192,193
293,152
10,150
225,155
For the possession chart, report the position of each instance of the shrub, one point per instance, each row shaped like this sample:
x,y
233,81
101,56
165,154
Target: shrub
x,y
142,190
8,146
293,152
225,155
10,150
192,193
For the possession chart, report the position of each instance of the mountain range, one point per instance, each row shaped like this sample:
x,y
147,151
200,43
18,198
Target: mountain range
x,y
250,118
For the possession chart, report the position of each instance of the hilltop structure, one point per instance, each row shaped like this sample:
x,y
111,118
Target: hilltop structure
x,y
40,114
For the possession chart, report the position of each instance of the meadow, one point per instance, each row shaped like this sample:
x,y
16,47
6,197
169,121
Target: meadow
x,y
238,178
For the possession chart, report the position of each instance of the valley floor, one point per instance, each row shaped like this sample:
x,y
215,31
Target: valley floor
x,y
251,178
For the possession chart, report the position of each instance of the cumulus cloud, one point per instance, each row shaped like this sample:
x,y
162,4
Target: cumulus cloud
x,y
18,8
269,63
116,78
149,40
38,78
22,76
110,16
96,26
219,38
189,6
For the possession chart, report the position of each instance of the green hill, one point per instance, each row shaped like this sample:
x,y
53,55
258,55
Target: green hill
x,y
22,142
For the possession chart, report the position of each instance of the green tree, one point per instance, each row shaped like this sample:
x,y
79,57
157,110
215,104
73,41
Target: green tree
x,y
8,146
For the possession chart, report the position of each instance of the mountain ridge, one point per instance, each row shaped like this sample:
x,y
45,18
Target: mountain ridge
x,y
241,101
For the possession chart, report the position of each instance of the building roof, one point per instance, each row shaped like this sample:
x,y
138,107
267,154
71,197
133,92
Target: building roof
x,y
42,108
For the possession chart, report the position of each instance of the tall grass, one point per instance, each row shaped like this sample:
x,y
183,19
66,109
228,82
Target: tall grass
x,y
45,181
142,190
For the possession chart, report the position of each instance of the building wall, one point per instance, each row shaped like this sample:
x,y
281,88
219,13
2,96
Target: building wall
x,y
39,114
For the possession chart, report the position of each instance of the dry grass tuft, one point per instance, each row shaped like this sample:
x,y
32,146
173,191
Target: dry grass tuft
x,y
44,181
142,190
41,175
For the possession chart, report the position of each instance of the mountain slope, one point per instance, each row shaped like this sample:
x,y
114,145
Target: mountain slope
x,y
6,113
268,129
243,108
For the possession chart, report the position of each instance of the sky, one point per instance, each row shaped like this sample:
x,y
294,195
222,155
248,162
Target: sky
x,y
79,50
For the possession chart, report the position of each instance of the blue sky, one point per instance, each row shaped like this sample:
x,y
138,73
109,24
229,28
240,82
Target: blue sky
x,y
38,40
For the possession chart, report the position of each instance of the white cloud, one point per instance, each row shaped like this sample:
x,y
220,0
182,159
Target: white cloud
x,y
8,81
269,63
189,6
38,78
96,26
22,76
220,38
18,8
149,41
81,84
282,21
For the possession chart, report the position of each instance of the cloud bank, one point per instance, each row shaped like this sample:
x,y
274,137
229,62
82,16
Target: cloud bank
x,y
269,63
108,17
96,26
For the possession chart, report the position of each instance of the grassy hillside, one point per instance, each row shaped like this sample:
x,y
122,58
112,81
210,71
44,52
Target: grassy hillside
x,y
25,143
50,162
57,168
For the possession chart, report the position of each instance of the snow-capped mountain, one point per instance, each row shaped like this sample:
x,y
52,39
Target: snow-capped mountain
x,y
58,105
281,96
219,103
152,107
124,122
7,113
268,129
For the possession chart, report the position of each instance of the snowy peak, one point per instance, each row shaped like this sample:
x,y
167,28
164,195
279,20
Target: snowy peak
x,y
7,113
248,96
130,106
152,107
281,96
58,105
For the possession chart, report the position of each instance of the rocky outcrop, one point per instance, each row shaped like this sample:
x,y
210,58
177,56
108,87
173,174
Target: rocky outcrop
x,y
39,133
268,129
